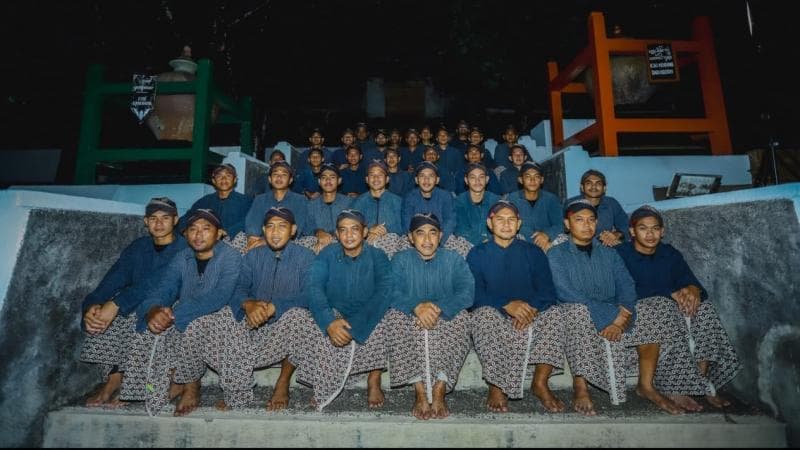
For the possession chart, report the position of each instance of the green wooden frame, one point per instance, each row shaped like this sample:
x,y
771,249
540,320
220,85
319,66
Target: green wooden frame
x,y
206,95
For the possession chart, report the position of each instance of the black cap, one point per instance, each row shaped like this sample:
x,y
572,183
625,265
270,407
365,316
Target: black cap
x,y
426,165
578,205
379,164
530,165
645,211
164,204
203,213
502,204
330,167
421,219
279,211
351,214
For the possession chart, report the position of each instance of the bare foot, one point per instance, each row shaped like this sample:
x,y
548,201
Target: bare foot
x,y
279,399
422,409
375,397
439,405
718,401
659,400
550,402
115,402
175,390
220,405
581,400
686,402
190,399
105,393
497,401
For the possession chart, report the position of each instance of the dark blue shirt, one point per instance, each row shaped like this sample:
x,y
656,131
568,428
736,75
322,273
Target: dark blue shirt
x,y
322,216
543,215
190,294
471,217
411,157
598,279
444,280
135,272
440,203
273,276
518,272
400,183
231,211
358,288
610,216
354,180
306,181
254,222
383,210
659,274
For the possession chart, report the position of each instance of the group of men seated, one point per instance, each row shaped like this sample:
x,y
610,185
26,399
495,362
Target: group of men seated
x,y
330,284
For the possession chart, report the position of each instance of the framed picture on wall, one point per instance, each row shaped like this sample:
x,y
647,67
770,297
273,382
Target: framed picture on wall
x,y
690,184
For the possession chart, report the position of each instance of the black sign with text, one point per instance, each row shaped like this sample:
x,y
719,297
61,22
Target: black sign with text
x,y
144,92
661,63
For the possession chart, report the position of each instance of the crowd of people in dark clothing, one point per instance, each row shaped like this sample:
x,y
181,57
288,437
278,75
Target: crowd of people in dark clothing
x,y
378,255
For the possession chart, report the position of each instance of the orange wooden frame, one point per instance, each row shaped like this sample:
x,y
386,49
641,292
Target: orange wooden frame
x,y
607,125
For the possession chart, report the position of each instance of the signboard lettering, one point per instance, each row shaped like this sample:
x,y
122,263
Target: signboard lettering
x,y
661,62
144,92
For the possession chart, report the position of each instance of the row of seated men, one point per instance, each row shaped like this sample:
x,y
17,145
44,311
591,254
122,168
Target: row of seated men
x,y
450,155
609,304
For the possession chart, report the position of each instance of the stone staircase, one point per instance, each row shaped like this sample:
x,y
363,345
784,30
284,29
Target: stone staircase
x,y
347,422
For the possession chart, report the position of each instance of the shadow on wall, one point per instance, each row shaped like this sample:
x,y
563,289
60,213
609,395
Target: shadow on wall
x,y
63,256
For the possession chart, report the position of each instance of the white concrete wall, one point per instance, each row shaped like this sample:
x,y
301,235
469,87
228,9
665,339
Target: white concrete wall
x,y
631,178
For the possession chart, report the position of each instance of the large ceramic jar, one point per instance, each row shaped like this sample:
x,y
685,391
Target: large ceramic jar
x,y
172,118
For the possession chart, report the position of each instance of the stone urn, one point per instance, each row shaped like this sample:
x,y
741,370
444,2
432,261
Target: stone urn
x,y
172,118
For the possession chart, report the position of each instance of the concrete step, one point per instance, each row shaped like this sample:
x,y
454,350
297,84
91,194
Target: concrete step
x,y
347,422
469,378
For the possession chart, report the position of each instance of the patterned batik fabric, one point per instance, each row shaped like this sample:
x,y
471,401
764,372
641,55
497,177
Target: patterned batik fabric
x,y
326,367
223,344
148,367
308,242
274,342
708,341
507,354
427,356
109,348
605,364
458,244
239,242
391,243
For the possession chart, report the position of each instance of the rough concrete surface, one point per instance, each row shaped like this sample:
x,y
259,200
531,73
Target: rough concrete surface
x,y
63,256
348,422
747,256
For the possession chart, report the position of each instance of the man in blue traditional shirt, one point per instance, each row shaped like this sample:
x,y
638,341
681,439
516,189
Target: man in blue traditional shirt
x,y
382,209
540,210
323,210
660,270
612,222
280,178
429,333
269,296
598,301
472,207
231,206
177,320
514,321
348,296
306,182
400,181
354,174
109,311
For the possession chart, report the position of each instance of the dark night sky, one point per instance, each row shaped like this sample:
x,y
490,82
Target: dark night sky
x,y
305,62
